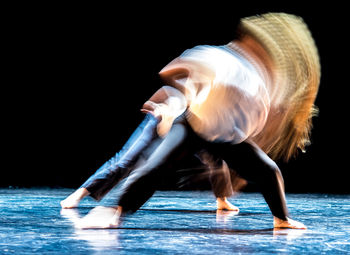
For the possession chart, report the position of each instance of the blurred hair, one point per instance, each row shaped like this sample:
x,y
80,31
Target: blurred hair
x,y
296,77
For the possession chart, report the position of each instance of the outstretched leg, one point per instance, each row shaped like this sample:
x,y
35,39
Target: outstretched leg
x,y
143,181
114,170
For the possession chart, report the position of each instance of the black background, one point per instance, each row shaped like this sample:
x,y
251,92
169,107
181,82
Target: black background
x,y
75,77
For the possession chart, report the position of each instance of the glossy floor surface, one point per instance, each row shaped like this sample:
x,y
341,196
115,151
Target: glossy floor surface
x,y
173,222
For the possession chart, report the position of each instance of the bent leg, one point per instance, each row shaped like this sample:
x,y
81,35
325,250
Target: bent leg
x,y
254,165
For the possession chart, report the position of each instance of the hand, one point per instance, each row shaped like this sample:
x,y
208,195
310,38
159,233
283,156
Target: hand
x,y
152,108
156,114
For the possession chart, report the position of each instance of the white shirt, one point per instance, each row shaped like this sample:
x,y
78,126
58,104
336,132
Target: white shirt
x,y
227,98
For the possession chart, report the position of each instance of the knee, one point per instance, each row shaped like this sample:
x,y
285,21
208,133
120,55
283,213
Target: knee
x,y
273,174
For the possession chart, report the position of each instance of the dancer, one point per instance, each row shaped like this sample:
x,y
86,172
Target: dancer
x,y
161,110
249,103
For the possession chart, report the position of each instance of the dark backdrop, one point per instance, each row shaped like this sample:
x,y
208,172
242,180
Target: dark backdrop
x,y
76,76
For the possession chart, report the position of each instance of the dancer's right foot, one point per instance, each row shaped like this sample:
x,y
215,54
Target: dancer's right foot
x,y
224,204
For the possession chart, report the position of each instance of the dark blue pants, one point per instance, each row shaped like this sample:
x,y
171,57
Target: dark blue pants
x,y
118,167
248,160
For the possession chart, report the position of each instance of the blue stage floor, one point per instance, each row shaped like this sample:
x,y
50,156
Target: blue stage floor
x,y
181,222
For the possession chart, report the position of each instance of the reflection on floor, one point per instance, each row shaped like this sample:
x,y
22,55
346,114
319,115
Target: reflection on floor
x,y
173,222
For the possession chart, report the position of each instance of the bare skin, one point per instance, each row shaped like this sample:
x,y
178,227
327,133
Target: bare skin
x,y
289,223
73,200
223,204
100,218
109,217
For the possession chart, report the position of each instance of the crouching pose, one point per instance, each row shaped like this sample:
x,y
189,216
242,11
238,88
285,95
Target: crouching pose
x,y
247,103
161,110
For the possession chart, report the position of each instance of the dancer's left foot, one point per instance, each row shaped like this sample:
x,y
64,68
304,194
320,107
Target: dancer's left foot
x,y
69,203
100,218
224,204
73,200
289,223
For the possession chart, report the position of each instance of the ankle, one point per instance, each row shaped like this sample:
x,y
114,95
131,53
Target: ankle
x,y
279,220
81,193
221,199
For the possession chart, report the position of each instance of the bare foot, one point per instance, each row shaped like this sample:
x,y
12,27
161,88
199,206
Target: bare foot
x,y
289,223
73,200
69,203
100,218
224,204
